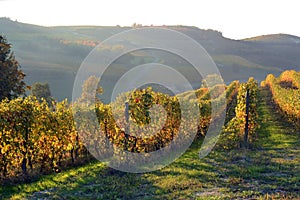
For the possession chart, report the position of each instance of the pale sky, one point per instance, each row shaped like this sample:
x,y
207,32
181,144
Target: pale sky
x,y
236,19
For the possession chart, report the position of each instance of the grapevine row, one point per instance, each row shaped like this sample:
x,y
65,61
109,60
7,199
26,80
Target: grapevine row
x,y
286,94
235,129
36,136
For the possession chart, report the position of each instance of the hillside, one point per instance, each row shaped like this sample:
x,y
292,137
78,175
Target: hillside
x,y
54,54
268,171
45,155
275,38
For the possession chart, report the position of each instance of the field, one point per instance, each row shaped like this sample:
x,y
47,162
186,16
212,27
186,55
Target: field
x,y
268,169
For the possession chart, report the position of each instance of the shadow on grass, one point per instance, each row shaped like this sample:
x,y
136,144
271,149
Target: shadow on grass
x,y
272,168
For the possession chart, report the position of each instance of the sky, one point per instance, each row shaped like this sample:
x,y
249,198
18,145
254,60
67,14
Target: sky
x,y
236,19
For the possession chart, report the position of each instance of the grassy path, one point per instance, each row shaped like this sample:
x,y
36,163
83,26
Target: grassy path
x,y
275,132
276,161
271,170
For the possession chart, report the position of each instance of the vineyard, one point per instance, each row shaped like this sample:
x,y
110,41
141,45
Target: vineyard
x,y
235,128
286,94
38,137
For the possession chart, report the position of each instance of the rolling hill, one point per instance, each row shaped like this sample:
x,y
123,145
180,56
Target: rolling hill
x,y
54,54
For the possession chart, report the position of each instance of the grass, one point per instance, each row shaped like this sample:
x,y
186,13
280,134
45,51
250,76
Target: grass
x,y
234,60
270,170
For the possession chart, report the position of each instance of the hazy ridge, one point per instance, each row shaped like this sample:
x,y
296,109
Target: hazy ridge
x,y
54,54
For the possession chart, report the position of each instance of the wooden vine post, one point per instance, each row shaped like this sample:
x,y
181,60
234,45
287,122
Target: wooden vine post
x,y
127,127
247,119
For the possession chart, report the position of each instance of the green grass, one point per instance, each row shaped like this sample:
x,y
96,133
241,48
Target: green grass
x,y
270,170
234,60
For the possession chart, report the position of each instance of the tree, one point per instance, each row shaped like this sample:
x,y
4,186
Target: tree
x,y
41,90
11,77
90,90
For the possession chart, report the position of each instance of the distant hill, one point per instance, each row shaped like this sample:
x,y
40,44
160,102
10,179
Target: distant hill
x,y
54,54
275,39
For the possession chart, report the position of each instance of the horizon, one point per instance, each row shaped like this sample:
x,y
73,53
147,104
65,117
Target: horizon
x,y
255,18
146,25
